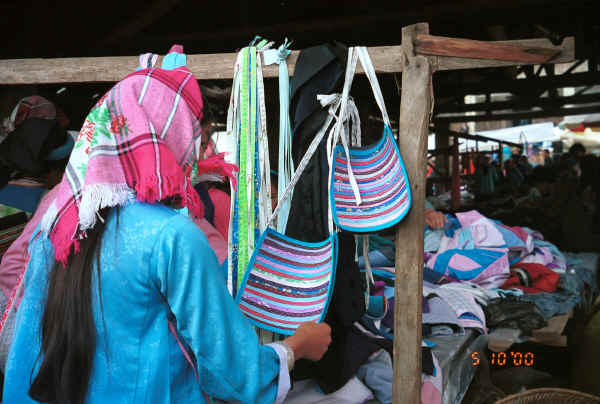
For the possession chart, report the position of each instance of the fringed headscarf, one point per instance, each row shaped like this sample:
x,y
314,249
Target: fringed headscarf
x,y
140,141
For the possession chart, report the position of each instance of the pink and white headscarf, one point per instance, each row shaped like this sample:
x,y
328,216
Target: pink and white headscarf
x,y
140,141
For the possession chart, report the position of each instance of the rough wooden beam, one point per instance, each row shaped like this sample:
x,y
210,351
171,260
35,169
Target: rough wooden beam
x,y
415,107
467,48
386,59
546,113
517,86
520,103
450,133
567,54
149,15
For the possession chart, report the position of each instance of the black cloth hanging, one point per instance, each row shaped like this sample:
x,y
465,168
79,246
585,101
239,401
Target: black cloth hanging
x,y
319,70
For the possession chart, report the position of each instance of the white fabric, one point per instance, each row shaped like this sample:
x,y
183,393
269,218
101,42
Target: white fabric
x,y
308,392
284,375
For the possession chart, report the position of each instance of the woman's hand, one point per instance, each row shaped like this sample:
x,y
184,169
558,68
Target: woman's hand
x,y
434,219
310,341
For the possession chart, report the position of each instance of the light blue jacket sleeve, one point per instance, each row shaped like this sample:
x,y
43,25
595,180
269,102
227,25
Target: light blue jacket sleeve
x,y
231,363
428,205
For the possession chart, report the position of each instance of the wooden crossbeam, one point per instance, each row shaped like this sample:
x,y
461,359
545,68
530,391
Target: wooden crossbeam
x,y
521,103
516,86
467,48
386,59
468,136
513,116
149,15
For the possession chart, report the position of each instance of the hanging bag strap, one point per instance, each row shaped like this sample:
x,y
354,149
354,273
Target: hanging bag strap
x,y
339,107
333,102
350,70
367,64
355,54
285,166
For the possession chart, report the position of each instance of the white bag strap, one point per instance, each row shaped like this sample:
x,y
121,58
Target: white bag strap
x,y
365,61
334,102
350,69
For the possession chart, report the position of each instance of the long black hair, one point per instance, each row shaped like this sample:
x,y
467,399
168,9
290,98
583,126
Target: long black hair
x,y
67,327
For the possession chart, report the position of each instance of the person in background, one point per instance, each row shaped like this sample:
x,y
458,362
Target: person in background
x,y
434,219
548,160
514,176
16,257
524,165
577,151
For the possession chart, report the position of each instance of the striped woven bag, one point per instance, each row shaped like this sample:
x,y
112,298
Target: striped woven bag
x,y
288,282
369,188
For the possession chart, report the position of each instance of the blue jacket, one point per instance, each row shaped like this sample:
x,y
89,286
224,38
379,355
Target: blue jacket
x,y
154,263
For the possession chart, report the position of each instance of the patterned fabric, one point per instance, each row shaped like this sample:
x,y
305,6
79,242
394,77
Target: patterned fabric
x,y
251,202
482,266
288,282
140,141
382,182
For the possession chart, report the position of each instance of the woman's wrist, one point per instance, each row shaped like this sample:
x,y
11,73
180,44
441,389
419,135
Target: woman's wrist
x,y
290,353
295,345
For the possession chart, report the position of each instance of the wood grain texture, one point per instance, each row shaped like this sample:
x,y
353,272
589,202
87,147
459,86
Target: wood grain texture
x,y
386,59
567,54
467,48
415,107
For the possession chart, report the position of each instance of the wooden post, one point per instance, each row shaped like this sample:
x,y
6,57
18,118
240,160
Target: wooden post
x,y
442,161
455,193
415,108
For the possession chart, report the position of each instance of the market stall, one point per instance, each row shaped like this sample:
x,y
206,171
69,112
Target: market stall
x,y
417,58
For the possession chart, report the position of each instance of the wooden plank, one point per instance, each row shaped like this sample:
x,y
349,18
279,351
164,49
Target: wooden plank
x,y
386,59
519,103
467,48
546,113
415,107
566,55
533,85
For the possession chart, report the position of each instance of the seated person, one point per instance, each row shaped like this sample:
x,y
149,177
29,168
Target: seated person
x,y
434,219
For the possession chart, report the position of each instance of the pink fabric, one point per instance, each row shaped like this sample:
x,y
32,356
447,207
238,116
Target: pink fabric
x,y
483,230
431,386
222,202
15,260
141,140
215,239
541,255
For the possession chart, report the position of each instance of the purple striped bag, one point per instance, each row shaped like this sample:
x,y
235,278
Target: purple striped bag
x,y
369,188
288,282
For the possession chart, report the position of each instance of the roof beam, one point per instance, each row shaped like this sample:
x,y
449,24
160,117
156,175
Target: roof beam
x,y
530,85
139,21
467,48
511,116
520,103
